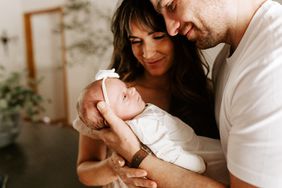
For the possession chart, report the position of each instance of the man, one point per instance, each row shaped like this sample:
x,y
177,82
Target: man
x,y
247,76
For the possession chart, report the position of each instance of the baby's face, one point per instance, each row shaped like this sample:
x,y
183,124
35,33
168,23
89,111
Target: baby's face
x,y
125,102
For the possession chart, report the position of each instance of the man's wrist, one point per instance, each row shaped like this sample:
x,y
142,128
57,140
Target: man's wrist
x,y
139,156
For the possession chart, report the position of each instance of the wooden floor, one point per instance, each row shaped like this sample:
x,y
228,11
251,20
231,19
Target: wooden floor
x,y
43,156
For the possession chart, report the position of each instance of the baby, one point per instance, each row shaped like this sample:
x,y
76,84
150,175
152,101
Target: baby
x,y
167,136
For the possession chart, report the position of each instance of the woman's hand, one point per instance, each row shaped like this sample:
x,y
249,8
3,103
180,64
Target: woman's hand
x,y
132,177
121,139
84,130
119,136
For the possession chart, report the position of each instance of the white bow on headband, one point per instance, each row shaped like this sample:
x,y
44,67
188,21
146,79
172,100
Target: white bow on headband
x,y
103,75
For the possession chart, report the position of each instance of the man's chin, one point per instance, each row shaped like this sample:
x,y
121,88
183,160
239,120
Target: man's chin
x,y
203,44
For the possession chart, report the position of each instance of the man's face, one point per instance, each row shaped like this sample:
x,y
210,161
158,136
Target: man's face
x,y
201,21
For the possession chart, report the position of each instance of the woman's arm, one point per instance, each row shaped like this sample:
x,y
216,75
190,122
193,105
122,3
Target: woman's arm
x,y
131,176
93,167
120,138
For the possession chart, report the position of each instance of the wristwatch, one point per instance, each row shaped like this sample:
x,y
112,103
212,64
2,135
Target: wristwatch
x,y
139,156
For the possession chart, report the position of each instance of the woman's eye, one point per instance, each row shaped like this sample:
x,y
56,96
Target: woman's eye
x,y
135,41
159,36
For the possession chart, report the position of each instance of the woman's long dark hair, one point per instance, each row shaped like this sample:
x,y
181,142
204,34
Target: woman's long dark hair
x,y
191,97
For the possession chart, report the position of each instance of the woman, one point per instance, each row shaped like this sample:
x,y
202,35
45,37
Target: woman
x,y
167,71
181,86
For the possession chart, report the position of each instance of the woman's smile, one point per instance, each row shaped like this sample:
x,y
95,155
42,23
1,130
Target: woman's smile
x,y
156,65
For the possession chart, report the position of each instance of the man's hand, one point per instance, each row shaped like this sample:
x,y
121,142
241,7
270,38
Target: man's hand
x,y
132,177
119,136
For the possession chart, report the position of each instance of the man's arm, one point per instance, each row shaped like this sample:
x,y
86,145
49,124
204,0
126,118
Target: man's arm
x,y
168,175
120,138
159,171
236,182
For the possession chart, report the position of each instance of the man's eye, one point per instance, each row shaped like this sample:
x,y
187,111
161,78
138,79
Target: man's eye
x,y
171,6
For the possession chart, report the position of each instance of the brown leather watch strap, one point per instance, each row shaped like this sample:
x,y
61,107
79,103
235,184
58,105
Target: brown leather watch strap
x,y
139,156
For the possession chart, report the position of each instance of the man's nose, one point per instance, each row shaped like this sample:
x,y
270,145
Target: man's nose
x,y
172,26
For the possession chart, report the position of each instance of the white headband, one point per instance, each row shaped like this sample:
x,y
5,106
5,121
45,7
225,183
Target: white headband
x,y
103,75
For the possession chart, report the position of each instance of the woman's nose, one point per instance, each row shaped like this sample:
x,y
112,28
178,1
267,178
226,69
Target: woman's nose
x,y
148,50
172,26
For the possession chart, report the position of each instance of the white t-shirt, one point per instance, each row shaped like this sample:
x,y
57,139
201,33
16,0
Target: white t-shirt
x,y
171,140
248,87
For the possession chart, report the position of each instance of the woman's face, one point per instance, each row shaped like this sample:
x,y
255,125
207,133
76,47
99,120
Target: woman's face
x,y
154,50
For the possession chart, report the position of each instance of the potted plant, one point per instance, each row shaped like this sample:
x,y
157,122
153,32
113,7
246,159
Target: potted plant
x,y
17,101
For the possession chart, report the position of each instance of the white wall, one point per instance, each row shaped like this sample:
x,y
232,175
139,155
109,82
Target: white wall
x,y
11,21
33,5
82,74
